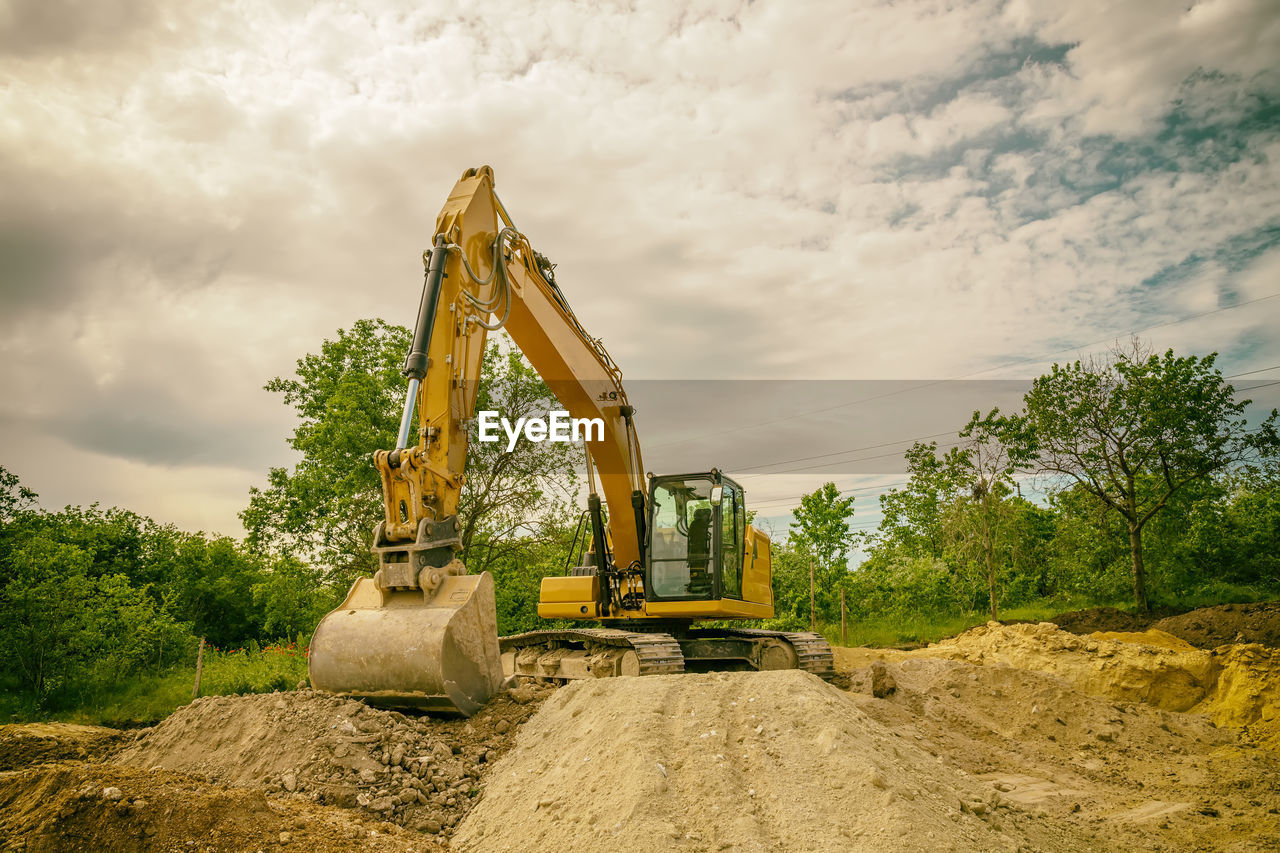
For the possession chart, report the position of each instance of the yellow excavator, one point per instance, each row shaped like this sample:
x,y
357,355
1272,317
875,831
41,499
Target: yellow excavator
x,y
673,550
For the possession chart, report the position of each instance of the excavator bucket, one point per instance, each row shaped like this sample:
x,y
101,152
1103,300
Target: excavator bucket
x,y
406,648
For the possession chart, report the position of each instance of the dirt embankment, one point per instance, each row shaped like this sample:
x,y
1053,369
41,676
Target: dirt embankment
x,y
1206,628
417,772
36,743
1235,686
97,807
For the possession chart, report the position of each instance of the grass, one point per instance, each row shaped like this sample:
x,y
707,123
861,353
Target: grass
x,y
923,627
1214,593
143,699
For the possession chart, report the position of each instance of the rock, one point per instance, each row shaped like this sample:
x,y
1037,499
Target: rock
x,y
523,695
290,782
112,794
286,837
882,683
397,755
368,777
502,727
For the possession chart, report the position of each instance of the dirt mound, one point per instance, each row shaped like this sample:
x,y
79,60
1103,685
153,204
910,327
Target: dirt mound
x,y
417,772
1210,627
1236,686
734,761
1102,619
1206,628
1175,679
1149,637
1247,694
1139,777
101,807
34,743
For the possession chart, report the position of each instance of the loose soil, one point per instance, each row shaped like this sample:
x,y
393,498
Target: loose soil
x,y
97,807
1206,628
1007,737
417,772
1211,627
21,746
736,761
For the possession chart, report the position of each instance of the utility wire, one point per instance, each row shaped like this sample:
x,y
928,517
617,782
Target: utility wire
x,y
1032,360
1134,332
844,461
1251,372
884,489
750,468
842,492
840,452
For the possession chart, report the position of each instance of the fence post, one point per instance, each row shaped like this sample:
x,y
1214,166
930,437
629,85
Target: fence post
x,y
843,637
813,617
195,691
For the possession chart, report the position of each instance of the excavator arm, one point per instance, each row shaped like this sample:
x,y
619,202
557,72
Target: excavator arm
x,y
482,274
422,631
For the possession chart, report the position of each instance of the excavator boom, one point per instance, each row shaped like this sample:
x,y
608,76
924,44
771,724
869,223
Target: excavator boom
x,y
422,632
673,549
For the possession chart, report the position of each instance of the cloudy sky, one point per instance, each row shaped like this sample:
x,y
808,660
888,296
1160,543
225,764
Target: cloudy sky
x,y
196,194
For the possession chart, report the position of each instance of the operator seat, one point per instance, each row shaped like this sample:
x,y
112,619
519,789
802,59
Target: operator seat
x,y
700,553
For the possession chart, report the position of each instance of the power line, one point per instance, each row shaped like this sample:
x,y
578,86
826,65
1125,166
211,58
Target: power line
x,y
885,488
859,459
1032,360
919,438
1134,332
1251,372
780,501
840,452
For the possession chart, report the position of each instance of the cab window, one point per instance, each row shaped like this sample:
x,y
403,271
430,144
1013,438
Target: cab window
x,y
733,527
681,539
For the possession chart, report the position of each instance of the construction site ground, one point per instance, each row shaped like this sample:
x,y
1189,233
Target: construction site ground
x,y
1113,735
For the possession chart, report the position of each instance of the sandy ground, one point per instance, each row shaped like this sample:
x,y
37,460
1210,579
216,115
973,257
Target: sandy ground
x,y
1018,737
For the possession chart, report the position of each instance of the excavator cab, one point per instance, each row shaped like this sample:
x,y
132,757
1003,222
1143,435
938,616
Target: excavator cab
x,y
696,532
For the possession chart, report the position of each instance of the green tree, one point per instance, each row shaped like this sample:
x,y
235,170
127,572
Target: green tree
x,y
514,499
912,519
1134,431
42,603
982,524
291,597
348,399
821,533
15,498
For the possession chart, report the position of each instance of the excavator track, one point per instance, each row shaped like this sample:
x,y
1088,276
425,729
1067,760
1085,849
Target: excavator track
x,y
813,652
657,654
